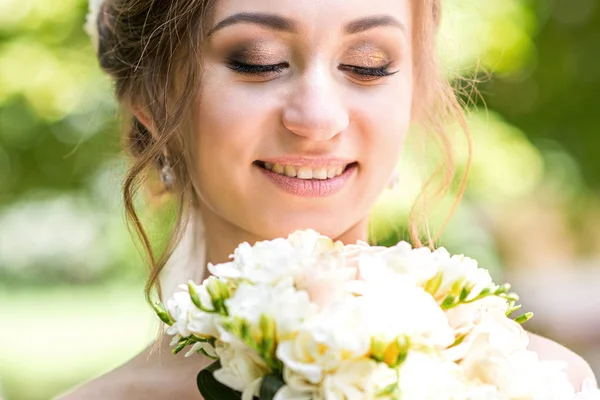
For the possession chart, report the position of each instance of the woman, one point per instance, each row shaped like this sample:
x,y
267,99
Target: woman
x,y
263,117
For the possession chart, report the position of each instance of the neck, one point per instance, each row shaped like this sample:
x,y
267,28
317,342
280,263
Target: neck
x,y
222,237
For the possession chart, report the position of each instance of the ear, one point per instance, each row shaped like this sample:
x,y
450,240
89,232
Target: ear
x,y
144,118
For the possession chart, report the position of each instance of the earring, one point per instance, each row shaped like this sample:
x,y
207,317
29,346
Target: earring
x,y
167,176
394,179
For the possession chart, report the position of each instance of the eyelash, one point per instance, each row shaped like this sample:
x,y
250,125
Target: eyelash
x,y
244,68
378,72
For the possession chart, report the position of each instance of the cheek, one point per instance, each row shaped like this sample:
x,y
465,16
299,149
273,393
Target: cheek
x,y
387,118
234,125
223,145
230,127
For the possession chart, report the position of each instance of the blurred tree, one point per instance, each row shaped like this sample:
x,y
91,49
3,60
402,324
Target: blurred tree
x,y
554,97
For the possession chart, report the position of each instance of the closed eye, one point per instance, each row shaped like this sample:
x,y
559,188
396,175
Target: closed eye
x,y
369,73
361,73
256,69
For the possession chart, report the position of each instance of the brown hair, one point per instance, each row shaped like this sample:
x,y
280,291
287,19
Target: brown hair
x,y
145,44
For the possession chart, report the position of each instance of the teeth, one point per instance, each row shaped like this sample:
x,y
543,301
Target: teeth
x,y
320,173
291,171
305,173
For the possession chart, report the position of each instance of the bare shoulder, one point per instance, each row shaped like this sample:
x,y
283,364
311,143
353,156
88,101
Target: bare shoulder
x,y
578,369
151,375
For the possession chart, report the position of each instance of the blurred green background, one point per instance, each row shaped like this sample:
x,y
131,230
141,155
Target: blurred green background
x,y
71,281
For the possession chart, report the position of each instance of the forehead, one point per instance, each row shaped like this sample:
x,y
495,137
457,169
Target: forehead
x,y
319,16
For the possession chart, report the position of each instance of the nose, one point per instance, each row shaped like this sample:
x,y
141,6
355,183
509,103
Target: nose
x,y
315,108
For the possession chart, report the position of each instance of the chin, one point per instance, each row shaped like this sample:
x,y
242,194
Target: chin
x,y
327,224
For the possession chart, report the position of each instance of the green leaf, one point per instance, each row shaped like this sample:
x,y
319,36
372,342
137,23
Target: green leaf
x,y
211,389
269,387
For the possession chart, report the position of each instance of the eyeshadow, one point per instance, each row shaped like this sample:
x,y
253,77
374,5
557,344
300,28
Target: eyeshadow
x,y
255,53
366,54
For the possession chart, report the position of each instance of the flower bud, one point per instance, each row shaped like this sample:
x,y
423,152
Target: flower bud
x,y
433,285
521,319
194,296
378,348
162,313
396,352
268,331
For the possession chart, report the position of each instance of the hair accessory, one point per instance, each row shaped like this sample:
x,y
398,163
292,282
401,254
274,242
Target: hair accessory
x,y
91,22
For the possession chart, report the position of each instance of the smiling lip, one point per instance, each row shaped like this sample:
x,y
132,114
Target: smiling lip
x,y
310,187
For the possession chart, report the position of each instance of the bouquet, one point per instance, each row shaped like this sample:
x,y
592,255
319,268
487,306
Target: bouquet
x,y
309,318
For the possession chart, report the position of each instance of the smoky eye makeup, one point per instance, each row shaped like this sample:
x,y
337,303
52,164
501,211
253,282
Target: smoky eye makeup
x,y
367,55
367,63
256,59
258,54
363,61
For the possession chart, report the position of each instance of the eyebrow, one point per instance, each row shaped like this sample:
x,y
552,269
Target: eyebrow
x,y
364,24
282,24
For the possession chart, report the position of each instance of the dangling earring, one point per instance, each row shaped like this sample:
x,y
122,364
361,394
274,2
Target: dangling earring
x,y
167,176
394,179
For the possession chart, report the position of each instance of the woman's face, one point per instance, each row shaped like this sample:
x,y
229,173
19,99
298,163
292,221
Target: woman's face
x,y
304,108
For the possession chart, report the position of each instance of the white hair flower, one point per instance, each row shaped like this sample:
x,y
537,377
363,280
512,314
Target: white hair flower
x,y
91,23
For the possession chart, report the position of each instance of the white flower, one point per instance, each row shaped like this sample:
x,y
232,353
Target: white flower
x,y
309,243
482,392
425,376
325,284
523,375
240,367
287,306
418,263
465,319
357,380
297,387
274,260
497,356
459,267
322,343
496,333
265,262
332,310
189,319
204,346
287,393
589,391
394,306
91,24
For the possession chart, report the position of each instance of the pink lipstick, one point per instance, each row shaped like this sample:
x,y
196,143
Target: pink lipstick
x,y
308,177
